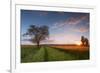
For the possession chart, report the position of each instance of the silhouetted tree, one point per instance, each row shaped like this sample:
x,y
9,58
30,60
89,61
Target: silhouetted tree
x,y
37,33
84,41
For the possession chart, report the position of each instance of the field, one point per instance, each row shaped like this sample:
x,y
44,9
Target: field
x,y
46,53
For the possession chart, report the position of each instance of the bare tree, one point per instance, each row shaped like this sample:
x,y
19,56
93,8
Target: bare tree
x,y
37,33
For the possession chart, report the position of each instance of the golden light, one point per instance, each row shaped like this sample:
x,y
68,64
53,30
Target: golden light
x,y
78,43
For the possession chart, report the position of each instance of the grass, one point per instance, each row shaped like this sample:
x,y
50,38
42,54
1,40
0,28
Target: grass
x,y
27,53
47,53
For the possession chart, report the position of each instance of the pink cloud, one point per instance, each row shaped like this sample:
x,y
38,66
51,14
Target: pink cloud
x,y
82,29
75,20
70,21
63,39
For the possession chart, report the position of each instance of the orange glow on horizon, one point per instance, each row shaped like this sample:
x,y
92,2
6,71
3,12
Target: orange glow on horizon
x,y
78,43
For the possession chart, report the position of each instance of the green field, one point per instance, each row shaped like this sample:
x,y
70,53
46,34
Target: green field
x,y
47,53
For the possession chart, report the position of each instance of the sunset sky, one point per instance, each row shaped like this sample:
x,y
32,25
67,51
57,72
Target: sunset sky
x,y
64,27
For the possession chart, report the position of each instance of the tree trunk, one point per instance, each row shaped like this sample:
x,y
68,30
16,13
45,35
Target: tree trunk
x,y
38,44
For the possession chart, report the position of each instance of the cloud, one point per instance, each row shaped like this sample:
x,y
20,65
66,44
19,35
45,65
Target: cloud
x,y
57,25
75,20
48,40
81,29
62,38
72,21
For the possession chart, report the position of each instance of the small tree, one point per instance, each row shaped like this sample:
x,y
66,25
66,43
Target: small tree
x,y
82,40
37,34
86,42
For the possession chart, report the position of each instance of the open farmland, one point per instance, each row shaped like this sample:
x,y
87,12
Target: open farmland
x,y
31,53
71,47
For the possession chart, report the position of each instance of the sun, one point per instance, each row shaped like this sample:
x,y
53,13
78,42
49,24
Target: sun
x,y
78,43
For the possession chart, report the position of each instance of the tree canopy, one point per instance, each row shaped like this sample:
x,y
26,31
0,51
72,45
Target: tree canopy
x,y
37,33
